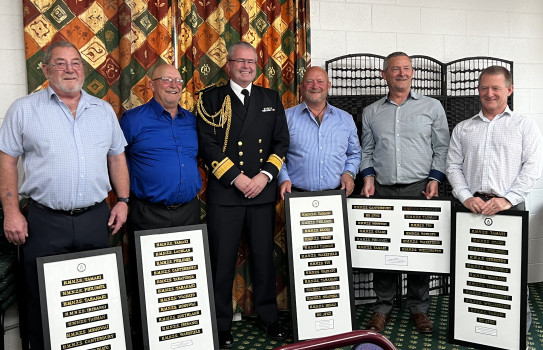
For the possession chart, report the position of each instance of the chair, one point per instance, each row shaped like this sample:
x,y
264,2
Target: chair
x,y
363,339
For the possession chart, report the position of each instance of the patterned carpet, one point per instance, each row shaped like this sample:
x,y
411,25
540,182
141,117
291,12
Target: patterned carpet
x,y
400,330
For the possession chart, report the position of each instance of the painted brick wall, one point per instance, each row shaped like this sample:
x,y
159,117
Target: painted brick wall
x,y
446,30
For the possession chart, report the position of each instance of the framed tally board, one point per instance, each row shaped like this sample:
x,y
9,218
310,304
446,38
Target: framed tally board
x,y
321,291
83,300
489,274
176,288
400,234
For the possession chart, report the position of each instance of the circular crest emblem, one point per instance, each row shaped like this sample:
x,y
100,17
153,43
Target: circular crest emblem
x,y
488,222
81,267
315,203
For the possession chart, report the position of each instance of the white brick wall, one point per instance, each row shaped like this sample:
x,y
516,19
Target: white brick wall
x,y
447,30
12,55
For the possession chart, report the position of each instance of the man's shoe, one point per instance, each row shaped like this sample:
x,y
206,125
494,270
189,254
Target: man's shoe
x,y
423,323
271,330
377,322
226,341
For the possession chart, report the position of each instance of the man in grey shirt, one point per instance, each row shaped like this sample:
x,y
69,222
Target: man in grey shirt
x,y
404,147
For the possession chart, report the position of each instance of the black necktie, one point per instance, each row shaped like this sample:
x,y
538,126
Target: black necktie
x,y
245,93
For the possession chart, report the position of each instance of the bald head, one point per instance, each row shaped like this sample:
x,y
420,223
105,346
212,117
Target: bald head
x,y
167,85
315,87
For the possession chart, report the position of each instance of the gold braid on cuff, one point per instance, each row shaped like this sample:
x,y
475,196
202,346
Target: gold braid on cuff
x,y
276,161
224,114
219,169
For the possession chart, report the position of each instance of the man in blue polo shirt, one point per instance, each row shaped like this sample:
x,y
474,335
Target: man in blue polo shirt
x,y
161,154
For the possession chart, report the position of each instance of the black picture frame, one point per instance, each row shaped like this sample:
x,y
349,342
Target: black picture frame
x,y
83,300
174,274
326,278
489,264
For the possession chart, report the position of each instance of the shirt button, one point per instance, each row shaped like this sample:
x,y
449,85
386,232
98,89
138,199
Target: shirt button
x,y
240,143
259,151
240,153
261,160
241,163
259,140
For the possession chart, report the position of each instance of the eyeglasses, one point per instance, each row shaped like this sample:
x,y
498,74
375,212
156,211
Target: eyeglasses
x,y
168,81
64,65
243,61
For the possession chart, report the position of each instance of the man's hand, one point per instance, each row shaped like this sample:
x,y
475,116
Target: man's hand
x,y
474,204
15,227
286,186
432,189
242,183
369,187
495,205
257,184
347,184
117,217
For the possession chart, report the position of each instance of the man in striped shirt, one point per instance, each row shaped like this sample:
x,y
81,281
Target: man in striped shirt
x,y
324,150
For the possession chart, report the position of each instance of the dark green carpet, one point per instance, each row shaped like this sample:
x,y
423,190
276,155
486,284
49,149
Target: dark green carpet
x,y
400,329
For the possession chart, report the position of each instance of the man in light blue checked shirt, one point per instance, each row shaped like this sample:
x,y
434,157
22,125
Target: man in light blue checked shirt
x,y
404,147
324,151
71,147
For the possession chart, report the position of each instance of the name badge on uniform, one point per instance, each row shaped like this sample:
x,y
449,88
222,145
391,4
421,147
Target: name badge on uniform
x,y
268,109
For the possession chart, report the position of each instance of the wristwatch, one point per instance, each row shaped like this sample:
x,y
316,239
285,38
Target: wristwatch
x,y
350,173
123,199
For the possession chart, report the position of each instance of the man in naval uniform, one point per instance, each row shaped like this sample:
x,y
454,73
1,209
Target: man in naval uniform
x,y
243,139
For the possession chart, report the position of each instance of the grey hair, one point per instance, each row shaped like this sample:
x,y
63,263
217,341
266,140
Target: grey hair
x,y
394,54
242,44
49,50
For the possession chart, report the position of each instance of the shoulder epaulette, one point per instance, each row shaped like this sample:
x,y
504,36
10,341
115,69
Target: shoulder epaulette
x,y
210,87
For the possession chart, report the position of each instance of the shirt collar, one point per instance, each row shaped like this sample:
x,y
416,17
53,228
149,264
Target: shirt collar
x,y
237,88
305,108
506,113
412,94
83,101
159,110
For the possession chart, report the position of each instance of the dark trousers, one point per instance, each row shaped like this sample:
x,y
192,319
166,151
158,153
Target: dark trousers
x,y
225,227
52,233
144,215
385,284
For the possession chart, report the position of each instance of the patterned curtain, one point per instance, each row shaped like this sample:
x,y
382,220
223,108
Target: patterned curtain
x,y
279,31
121,39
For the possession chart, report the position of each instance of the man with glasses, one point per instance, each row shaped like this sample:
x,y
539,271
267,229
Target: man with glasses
x,y
243,138
324,151
69,142
161,153
164,176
